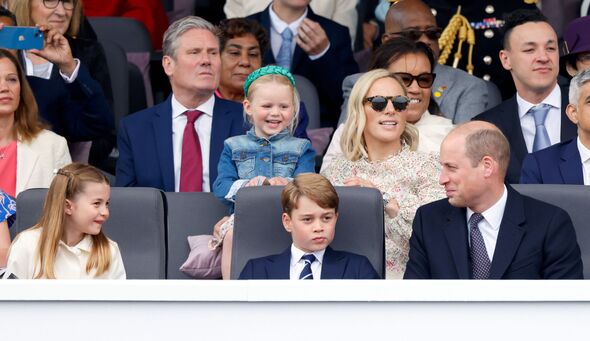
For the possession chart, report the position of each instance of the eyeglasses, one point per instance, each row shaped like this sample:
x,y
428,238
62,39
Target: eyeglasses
x,y
424,80
379,103
413,34
51,4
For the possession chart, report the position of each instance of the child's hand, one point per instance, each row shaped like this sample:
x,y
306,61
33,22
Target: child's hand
x,y
360,182
217,228
256,181
278,181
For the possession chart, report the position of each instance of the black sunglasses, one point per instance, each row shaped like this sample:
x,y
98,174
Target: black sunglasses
x,y
413,34
379,103
424,80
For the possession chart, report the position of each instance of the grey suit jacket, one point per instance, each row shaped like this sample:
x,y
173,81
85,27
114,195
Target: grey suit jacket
x,y
459,95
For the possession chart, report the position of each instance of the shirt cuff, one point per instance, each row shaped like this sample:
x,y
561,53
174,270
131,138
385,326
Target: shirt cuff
x,y
72,78
320,55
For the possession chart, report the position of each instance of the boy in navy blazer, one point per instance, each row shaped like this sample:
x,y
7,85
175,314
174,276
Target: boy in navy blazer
x,y
310,211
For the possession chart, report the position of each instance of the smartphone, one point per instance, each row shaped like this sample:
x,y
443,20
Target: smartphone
x,y
21,38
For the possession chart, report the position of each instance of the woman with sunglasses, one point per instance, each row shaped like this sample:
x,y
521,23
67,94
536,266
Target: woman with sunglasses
x,y
379,151
413,62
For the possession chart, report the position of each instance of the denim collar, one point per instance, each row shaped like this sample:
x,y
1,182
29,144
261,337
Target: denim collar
x,y
274,137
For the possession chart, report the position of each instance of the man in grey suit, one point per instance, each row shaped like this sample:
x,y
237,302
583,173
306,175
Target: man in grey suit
x,y
459,95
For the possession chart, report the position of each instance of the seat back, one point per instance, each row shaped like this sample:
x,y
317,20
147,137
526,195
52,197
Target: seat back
x,y
119,73
188,214
309,95
574,200
136,223
258,230
128,33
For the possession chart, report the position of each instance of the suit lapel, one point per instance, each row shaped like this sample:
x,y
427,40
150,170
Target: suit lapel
x,y
510,234
268,58
280,266
221,128
570,164
455,230
26,160
333,265
162,128
568,129
511,119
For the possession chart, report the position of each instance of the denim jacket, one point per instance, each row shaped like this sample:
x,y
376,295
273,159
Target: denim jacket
x,y
247,156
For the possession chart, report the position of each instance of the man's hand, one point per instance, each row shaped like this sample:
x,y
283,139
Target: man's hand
x,y
312,38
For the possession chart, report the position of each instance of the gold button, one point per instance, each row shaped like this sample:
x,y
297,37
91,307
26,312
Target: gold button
x,y
490,9
486,77
487,60
488,33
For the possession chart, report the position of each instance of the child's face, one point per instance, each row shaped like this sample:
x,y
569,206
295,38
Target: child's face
x,y
311,227
88,210
271,108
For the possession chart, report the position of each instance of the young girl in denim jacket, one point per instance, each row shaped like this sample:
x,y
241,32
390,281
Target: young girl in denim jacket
x,y
268,153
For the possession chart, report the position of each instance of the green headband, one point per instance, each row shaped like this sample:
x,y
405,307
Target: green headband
x,y
267,70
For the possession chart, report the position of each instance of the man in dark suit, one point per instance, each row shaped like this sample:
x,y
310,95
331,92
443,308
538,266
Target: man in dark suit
x,y
487,230
566,162
311,46
158,147
310,211
535,117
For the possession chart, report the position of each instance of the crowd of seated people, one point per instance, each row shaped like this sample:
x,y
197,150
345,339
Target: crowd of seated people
x,y
439,144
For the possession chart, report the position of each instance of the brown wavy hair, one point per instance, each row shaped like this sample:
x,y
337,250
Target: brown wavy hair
x,y
22,12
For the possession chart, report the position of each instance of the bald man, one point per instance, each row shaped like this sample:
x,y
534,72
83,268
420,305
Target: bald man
x,y
485,229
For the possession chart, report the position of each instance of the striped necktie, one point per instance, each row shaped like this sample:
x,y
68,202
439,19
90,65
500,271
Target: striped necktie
x,y
306,272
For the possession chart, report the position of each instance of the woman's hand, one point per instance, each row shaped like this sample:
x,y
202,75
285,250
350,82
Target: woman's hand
x,y
392,208
278,181
256,181
217,228
56,49
360,182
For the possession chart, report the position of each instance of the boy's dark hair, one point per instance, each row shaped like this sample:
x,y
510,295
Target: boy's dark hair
x,y
313,186
517,18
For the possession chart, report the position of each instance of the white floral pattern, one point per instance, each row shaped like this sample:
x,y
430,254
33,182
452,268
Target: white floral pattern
x,y
409,177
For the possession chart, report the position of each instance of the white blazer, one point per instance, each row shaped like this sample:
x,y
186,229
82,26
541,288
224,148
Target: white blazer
x,y
341,11
37,160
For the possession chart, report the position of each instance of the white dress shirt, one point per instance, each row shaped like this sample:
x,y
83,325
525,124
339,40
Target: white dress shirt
x,y
203,126
585,157
297,263
277,26
70,261
489,226
552,122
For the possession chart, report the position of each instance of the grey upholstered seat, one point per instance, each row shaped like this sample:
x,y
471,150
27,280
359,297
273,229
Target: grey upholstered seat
x,y
574,199
259,232
309,95
188,214
136,223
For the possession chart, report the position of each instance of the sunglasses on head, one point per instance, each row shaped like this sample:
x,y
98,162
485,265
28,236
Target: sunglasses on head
x,y
424,80
413,34
379,103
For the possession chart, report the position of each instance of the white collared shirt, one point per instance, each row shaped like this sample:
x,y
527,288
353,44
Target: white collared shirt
x,y
297,263
70,261
203,126
277,26
585,157
489,226
552,122
44,70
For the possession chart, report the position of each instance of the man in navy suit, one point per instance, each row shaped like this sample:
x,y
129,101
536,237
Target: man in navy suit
x,y
319,50
310,211
531,55
487,230
151,141
567,162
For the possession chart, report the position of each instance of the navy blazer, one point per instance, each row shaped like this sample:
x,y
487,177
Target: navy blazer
x,y
335,265
558,164
145,144
536,241
505,116
326,72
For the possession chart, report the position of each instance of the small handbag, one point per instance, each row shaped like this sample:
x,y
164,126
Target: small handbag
x,y
204,261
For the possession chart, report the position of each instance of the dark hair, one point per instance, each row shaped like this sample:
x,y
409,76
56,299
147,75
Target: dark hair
x,y
396,47
4,12
239,27
520,17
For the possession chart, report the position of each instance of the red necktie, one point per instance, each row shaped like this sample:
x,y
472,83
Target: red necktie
x,y
191,166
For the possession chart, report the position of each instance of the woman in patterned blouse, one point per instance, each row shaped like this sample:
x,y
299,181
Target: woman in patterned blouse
x,y
379,150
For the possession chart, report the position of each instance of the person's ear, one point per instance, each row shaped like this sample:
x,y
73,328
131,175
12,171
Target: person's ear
x,y
490,166
572,113
571,70
287,223
68,207
505,59
248,107
168,65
